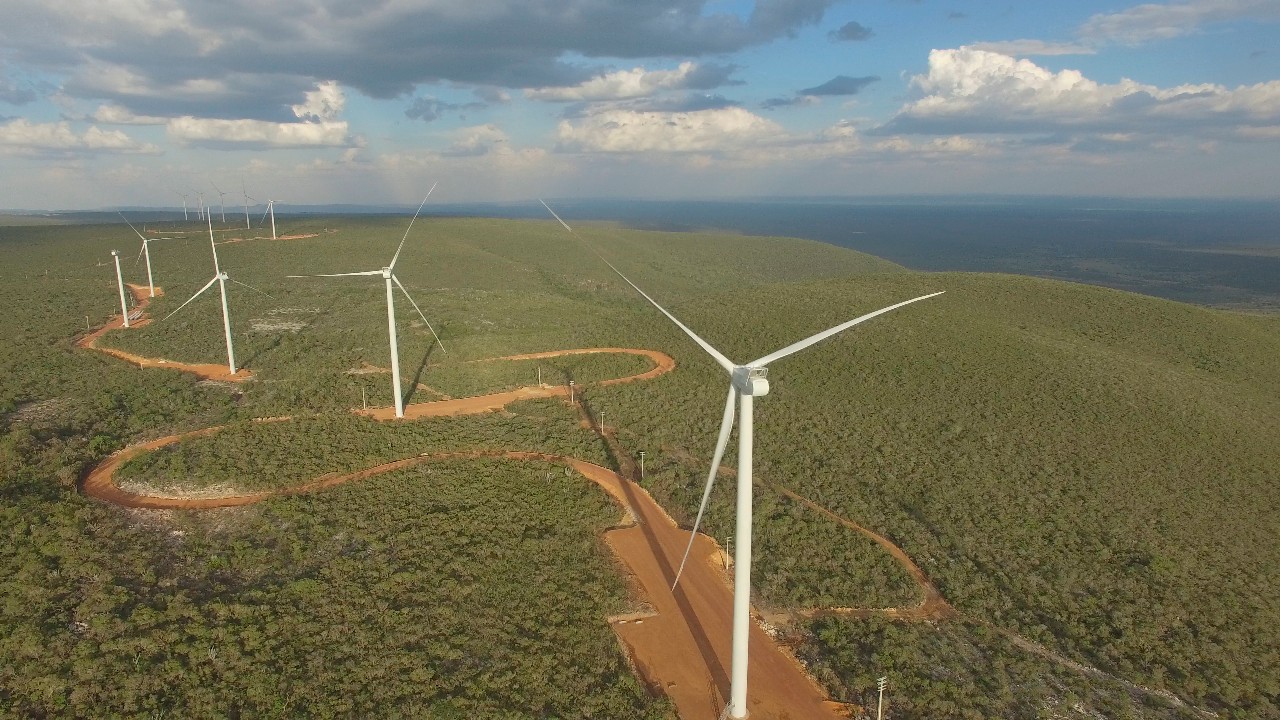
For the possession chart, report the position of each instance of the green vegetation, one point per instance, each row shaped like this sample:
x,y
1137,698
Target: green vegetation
x,y
1089,469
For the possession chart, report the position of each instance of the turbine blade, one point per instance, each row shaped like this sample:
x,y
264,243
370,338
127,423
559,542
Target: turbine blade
x,y
716,354
248,286
370,272
193,297
140,251
554,215
264,215
395,257
131,227
396,280
814,339
725,426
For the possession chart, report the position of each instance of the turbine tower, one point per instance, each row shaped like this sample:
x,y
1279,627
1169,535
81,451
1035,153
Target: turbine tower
x,y
200,198
221,202
271,210
388,276
246,204
145,250
124,307
746,382
221,277
184,205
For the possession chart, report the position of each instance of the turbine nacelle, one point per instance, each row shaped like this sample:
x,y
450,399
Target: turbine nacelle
x,y
748,380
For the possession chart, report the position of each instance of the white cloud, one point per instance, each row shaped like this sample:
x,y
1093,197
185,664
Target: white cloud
x,y
116,115
23,135
722,129
1022,48
622,85
323,103
477,140
210,131
1162,21
975,91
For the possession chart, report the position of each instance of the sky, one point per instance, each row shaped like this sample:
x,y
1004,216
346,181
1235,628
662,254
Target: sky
x,y
138,102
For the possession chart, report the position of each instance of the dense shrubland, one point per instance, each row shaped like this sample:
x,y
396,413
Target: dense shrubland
x,y
1094,470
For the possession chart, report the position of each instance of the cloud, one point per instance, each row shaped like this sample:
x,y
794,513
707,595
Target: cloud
x,y
428,108
248,59
840,85
25,136
218,133
12,94
638,82
624,131
476,140
323,103
975,91
851,32
116,115
1163,21
1023,48
782,102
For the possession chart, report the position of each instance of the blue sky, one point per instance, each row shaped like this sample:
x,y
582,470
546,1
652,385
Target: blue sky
x,y
317,101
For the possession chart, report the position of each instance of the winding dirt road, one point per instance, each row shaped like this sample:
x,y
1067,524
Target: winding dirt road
x,y
141,297
680,646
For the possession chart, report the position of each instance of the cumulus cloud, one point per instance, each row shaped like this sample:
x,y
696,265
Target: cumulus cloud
x,y
217,133
23,135
975,91
261,62
323,103
638,82
851,32
708,131
477,140
1162,21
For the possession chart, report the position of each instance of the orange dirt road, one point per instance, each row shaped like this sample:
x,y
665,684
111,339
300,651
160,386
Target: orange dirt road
x,y
141,297
682,649
663,363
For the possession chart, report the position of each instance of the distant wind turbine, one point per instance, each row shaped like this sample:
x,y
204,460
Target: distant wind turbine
x,y
388,275
222,197
184,205
245,192
221,277
746,382
200,198
271,210
145,250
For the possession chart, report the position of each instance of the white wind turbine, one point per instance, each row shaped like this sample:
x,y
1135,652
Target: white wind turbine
x,y
145,250
245,192
746,382
124,306
271,210
221,277
222,197
388,275
184,205
200,198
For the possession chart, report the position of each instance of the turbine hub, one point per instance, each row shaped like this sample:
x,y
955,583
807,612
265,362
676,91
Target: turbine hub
x,y
753,381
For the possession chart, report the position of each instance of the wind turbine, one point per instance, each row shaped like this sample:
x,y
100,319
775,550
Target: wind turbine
x,y
200,197
746,382
271,208
245,192
221,277
124,307
145,250
388,275
221,202
184,205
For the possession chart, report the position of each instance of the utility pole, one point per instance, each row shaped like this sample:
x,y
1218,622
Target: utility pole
x,y
882,683
642,465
